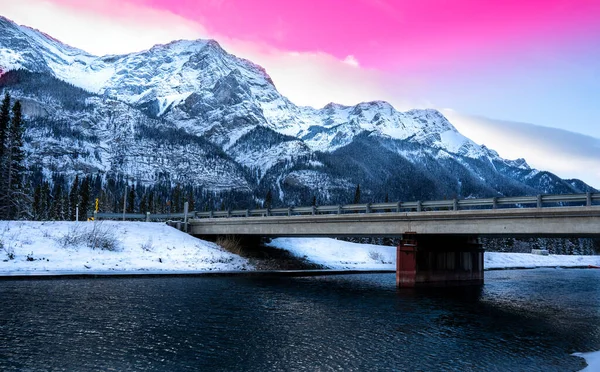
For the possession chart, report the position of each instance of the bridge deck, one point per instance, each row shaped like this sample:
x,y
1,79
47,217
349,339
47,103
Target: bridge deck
x,y
578,221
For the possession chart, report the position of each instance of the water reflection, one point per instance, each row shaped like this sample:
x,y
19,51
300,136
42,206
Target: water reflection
x,y
520,320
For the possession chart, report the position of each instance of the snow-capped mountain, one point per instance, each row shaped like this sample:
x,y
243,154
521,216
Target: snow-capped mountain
x,y
192,112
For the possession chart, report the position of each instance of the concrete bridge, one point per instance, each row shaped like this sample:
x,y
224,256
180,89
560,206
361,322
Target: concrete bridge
x,y
439,243
572,215
532,222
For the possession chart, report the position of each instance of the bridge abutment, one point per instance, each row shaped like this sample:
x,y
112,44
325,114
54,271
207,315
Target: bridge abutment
x,y
438,260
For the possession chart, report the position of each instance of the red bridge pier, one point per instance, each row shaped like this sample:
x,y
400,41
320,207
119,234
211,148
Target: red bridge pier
x,y
438,261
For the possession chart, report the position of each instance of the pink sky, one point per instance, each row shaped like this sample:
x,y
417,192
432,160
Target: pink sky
x,y
533,61
392,35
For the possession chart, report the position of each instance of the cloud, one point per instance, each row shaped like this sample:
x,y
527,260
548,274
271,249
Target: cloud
x,y
565,153
351,60
127,28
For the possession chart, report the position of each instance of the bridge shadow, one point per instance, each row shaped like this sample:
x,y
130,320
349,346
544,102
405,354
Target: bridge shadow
x,y
262,256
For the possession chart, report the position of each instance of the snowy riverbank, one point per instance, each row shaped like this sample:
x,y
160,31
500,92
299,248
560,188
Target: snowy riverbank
x,y
138,247
122,247
340,255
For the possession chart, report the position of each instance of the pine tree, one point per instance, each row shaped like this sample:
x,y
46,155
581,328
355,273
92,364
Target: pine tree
x,y
268,200
15,157
177,205
356,195
4,122
57,213
84,198
131,199
4,133
144,204
45,201
74,198
151,205
37,203
190,200
387,200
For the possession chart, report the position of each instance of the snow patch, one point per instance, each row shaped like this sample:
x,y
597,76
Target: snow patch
x,y
592,359
172,100
498,260
338,254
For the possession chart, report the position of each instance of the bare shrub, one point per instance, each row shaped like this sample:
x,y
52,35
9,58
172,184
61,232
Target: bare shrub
x,y
72,237
219,259
10,251
231,244
7,248
376,256
94,235
148,246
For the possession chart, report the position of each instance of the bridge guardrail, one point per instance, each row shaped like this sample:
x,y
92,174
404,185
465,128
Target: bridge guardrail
x,y
141,216
587,199
538,201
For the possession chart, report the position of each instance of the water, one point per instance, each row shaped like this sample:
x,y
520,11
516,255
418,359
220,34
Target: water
x,y
520,320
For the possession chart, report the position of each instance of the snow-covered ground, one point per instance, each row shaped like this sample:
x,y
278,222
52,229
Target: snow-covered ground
x,y
57,247
592,359
339,255
497,260
63,247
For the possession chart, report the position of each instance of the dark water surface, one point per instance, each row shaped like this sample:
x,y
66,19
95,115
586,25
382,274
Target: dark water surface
x,y
520,320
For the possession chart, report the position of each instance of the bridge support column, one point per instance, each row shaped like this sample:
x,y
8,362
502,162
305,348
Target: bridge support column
x,y
438,260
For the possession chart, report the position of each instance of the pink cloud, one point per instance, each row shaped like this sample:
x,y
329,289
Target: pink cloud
x,y
394,35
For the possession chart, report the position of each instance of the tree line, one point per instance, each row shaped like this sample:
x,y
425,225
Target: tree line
x,y
58,198
13,192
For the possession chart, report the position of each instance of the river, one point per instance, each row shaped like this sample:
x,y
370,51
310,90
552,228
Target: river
x,y
520,320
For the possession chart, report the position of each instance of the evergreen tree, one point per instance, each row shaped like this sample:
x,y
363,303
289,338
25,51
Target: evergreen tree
x,y
45,201
268,200
4,143
4,123
131,199
151,205
37,203
57,213
84,198
177,200
74,198
190,200
356,195
15,194
103,201
387,200
144,204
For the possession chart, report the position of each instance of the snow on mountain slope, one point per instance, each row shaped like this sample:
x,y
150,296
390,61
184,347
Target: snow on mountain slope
x,y
26,48
70,132
336,125
164,76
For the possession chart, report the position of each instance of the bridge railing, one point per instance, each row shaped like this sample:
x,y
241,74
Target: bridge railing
x,y
538,201
142,216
